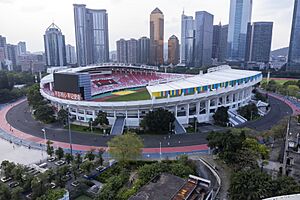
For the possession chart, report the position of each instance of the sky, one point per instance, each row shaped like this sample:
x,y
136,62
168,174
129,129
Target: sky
x,y
27,20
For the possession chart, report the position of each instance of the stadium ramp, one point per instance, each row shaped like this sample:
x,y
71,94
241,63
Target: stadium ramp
x,y
179,129
118,126
235,119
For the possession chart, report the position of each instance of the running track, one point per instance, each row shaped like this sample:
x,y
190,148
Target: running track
x,y
5,126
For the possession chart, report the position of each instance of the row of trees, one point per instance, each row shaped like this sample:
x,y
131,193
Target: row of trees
x,y
7,82
243,153
250,111
289,88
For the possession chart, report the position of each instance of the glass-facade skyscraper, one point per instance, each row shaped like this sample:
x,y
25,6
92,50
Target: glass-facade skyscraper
x,y
239,17
203,38
144,50
294,50
187,40
55,48
91,32
261,40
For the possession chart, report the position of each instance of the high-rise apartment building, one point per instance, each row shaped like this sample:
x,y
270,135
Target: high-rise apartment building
x,y
91,32
156,37
12,54
132,51
294,50
122,51
187,40
144,50
3,48
55,49
261,40
70,54
239,17
21,48
173,50
203,39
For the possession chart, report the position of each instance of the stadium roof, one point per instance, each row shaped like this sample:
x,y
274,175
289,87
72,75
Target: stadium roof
x,y
215,77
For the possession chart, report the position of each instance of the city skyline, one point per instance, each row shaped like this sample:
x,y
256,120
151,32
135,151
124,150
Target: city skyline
x,y
262,11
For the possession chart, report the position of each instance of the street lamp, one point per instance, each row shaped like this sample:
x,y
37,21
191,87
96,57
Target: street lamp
x,y
70,135
160,150
45,138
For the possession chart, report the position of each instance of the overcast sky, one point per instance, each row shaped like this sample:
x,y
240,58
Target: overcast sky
x,y
27,20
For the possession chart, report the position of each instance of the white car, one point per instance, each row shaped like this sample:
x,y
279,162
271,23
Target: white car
x,y
51,159
5,179
60,163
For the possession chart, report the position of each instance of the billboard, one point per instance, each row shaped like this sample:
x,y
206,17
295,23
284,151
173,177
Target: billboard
x,y
66,82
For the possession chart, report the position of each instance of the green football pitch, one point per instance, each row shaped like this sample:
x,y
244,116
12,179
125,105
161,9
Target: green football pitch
x,y
136,96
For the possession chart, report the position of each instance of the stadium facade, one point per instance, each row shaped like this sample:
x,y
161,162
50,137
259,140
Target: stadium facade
x,y
86,90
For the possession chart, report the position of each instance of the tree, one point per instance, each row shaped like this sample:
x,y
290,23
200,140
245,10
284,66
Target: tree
x,y
16,193
101,119
86,166
17,173
90,155
50,149
100,156
4,191
69,158
38,188
221,116
7,168
125,147
159,121
44,113
292,90
59,153
250,111
34,96
62,116
78,159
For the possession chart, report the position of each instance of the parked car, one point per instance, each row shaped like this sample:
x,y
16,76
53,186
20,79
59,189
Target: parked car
x,y
14,184
60,163
100,168
51,159
52,185
43,165
5,179
66,178
75,184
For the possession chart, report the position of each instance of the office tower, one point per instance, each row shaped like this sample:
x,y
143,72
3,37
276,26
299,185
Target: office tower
x,y
187,40
91,33
122,51
248,42
294,50
70,54
156,37
21,48
55,48
223,43
173,50
3,48
144,50
261,40
113,56
203,38
216,41
239,17
132,51
12,54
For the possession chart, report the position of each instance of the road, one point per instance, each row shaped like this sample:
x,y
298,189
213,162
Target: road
x,y
20,118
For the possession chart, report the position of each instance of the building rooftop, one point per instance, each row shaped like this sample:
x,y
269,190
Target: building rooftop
x,y
156,10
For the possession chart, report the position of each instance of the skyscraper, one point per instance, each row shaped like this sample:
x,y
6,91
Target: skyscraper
x,y
70,54
173,50
223,43
55,48
21,48
91,32
203,38
132,51
3,48
144,50
294,50
261,40
239,17
216,41
122,51
12,54
156,37
187,40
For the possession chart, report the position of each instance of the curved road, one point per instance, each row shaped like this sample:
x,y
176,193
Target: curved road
x,y
20,118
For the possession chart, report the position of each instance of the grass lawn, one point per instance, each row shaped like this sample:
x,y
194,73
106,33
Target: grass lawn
x,y
139,95
79,128
278,80
83,197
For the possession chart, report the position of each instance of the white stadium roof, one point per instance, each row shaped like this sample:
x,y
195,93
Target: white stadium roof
x,y
215,77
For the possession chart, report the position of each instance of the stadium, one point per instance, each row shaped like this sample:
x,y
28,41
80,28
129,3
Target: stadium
x,y
127,93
